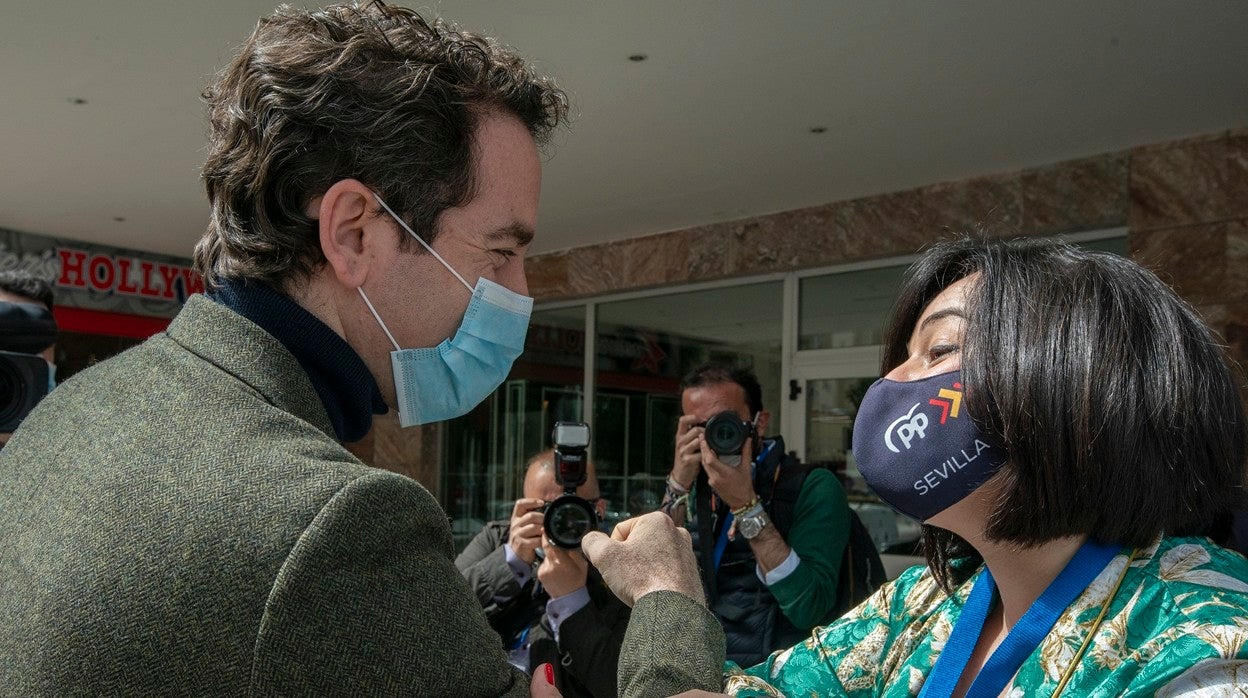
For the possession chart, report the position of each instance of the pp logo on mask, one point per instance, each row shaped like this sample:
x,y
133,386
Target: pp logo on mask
x,y
907,428
911,426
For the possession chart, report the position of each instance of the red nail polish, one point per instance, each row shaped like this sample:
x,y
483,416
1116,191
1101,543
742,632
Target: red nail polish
x,y
550,673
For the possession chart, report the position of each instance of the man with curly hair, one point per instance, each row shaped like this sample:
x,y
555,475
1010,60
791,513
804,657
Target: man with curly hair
x,y
183,518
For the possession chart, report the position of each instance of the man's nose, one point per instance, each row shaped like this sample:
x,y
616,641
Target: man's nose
x,y
516,279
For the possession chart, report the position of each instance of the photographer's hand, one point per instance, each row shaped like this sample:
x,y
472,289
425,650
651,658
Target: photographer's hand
x,y
525,532
563,571
733,484
644,554
688,456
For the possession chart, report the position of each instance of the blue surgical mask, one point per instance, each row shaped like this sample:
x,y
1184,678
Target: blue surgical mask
x,y
918,449
447,381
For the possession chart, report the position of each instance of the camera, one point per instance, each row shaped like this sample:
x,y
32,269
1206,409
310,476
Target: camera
x,y
570,517
726,434
25,328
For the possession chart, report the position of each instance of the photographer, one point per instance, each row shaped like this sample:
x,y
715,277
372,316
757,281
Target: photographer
x,y
770,534
543,600
28,328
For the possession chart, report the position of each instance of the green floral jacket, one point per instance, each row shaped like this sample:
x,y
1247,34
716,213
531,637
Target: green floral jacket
x,y
1178,625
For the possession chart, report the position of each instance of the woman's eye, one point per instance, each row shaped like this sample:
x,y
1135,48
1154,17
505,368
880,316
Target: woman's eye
x,y
941,350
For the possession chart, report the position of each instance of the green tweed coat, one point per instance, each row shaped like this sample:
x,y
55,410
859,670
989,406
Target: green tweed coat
x,y
180,520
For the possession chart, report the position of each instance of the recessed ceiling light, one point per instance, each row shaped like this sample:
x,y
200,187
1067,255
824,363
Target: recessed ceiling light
x,y
77,100
819,129
637,57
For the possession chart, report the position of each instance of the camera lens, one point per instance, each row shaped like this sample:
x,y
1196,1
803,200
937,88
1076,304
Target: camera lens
x,y
568,519
726,433
23,382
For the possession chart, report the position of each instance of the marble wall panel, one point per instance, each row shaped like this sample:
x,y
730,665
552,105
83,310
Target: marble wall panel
x,y
1235,333
710,251
789,240
1192,259
876,226
1183,185
589,270
638,263
547,274
1229,322
1237,175
1236,289
1183,142
1078,195
992,205
1172,185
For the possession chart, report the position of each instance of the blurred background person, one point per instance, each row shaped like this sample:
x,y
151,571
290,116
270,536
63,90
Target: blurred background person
x,y
27,330
547,603
771,534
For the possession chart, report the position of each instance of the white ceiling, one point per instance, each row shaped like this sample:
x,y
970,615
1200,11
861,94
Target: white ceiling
x,y
715,125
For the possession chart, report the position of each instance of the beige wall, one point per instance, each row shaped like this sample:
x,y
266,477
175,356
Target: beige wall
x,y
1185,204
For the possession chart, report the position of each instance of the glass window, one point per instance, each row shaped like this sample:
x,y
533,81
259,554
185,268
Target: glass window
x,y
643,348
846,310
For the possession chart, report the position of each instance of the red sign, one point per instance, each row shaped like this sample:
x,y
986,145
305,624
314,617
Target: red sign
x,y
128,276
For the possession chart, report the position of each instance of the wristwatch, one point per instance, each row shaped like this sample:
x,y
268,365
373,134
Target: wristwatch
x,y
752,525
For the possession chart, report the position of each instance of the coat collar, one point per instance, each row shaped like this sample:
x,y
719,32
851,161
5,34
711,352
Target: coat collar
x,y
240,348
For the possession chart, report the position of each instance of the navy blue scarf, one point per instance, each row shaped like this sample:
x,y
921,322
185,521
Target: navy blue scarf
x,y
347,388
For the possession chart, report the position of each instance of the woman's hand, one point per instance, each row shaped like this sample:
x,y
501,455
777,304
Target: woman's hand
x,y
543,683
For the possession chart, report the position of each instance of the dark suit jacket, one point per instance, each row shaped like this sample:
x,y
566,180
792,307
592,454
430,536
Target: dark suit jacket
x,y
586,656
180,520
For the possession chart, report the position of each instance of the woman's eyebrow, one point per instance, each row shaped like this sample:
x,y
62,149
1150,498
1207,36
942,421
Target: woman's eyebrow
x,y
942,314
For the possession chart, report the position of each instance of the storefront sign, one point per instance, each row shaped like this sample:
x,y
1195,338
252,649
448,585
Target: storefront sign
x,y
131,276
100,277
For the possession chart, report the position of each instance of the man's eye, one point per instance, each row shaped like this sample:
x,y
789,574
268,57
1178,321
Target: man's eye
x,y
507,253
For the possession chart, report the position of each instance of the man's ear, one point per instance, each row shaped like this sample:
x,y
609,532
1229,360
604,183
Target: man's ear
x,y
350,234
764,418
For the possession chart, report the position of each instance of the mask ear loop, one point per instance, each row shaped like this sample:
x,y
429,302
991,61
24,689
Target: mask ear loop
x,y
426,245
373,310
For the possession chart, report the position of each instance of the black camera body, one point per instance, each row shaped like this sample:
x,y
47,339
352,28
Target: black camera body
x,y
726,434
570,517
23,383
25,329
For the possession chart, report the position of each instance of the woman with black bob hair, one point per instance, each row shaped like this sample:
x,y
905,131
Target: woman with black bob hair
x,y
1059,420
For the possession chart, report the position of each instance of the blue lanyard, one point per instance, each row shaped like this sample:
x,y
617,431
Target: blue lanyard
x,y
1024,637
519,643
722,543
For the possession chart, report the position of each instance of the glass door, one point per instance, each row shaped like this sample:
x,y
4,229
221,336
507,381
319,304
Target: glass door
x,y
829,390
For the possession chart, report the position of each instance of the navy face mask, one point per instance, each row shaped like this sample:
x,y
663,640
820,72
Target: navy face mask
x,y
917,447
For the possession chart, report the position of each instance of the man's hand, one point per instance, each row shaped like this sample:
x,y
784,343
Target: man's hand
x,y
733,484
563,571
644,554
688,455
525,533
